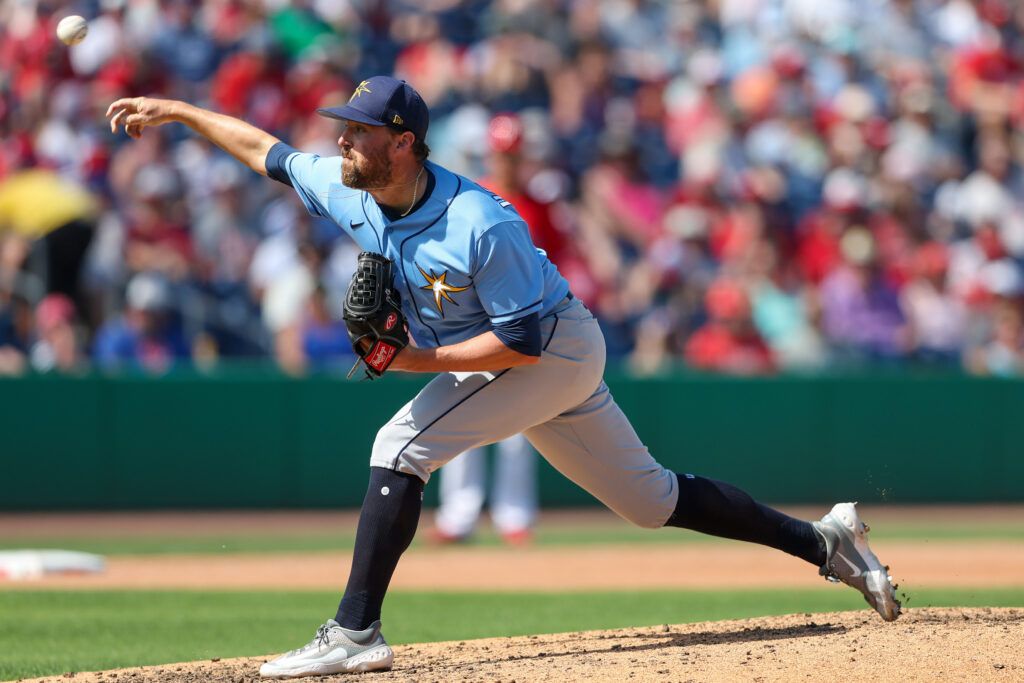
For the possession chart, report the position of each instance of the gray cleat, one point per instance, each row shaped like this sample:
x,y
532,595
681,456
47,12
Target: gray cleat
x,y
333,650
850,560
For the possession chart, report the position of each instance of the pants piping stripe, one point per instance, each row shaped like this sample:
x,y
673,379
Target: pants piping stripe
x,y
552,335
394,465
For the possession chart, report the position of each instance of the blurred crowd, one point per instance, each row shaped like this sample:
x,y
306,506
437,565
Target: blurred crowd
x,y
746,186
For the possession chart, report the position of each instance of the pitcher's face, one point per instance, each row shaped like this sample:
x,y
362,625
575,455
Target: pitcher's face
x,y
366,159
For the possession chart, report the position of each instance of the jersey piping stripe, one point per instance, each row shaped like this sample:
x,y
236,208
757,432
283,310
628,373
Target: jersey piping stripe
x,y
401,260
524,308
394,465
552,335
362,203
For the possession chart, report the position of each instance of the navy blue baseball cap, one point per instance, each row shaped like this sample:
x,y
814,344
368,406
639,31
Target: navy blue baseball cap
x,y
385,101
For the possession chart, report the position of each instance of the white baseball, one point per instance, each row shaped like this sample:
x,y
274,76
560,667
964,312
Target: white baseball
x,y
71,30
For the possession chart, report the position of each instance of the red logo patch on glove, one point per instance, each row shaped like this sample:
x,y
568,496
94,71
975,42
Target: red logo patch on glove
x,y
379,357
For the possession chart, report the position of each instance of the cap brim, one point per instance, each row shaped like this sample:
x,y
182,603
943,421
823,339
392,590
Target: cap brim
x,y
347,113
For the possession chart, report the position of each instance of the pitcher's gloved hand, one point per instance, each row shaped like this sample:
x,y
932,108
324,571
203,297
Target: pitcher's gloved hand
x,y
373,314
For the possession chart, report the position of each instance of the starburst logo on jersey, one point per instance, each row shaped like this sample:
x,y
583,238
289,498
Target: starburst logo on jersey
x,y
360,89
441,289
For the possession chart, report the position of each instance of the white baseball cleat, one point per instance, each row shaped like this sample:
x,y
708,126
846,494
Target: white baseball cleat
x,y
334,650
850,560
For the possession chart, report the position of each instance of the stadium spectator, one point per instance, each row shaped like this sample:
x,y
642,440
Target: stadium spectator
x,y
854,170
1002,352
57,347
147,336
861,314
14,333
56,217
325,340
729,342
936,319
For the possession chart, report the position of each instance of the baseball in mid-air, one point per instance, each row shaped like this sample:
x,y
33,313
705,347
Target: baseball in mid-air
x,y
71,30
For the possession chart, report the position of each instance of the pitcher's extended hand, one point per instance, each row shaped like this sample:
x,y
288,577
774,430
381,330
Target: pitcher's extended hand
x,y
135,113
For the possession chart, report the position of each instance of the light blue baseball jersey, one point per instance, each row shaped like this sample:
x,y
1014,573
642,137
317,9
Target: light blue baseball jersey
x,y
465,258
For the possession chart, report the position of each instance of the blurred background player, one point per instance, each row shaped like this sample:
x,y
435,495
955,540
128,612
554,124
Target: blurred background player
x,y
463,481
513,179
513,494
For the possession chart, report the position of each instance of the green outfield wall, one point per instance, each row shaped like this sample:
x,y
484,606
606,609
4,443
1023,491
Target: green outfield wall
x,y
254,440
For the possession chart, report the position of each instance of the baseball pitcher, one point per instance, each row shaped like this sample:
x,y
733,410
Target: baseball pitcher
x,y
452,265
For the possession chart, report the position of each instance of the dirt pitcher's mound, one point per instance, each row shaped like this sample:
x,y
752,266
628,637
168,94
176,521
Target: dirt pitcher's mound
x,y
924,645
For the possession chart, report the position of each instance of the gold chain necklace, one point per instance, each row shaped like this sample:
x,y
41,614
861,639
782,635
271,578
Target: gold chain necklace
x,y
415,190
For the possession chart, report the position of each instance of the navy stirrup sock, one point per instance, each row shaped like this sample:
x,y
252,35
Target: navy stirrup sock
x,y
387,524
720,509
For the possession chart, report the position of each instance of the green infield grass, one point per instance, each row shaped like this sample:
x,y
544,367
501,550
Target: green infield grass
x,y
53,632
613,532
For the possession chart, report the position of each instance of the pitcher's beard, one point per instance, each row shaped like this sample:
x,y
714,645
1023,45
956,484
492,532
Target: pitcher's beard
x,y
373,174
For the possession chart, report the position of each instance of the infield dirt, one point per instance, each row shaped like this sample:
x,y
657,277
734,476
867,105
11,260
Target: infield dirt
x,y
724,566
917,562
924,645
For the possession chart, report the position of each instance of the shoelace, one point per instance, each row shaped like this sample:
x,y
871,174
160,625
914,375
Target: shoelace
x,y
320,639
321,636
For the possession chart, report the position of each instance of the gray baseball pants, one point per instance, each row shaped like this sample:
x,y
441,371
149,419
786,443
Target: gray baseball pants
x,y
563,407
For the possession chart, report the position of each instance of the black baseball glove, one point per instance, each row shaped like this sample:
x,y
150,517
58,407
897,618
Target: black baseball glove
x,y
373,314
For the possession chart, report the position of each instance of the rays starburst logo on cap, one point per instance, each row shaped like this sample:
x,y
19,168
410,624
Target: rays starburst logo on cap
x,y
440,288
360,89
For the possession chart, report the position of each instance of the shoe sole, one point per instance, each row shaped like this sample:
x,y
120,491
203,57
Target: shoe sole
x,y
881,593
375,659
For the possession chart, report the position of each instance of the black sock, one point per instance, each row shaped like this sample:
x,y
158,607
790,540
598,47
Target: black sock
x,y
387,524
720,509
